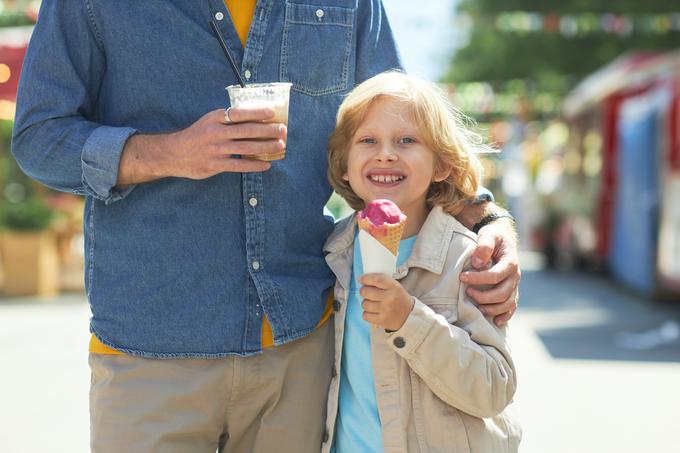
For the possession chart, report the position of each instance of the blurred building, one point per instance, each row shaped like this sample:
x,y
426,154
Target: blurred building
x,y
625,149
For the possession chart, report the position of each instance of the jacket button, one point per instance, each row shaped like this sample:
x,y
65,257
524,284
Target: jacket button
x,y
325,436
336,305
399,342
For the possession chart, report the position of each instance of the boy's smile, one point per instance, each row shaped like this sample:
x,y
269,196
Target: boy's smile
x,y
386,178
389,159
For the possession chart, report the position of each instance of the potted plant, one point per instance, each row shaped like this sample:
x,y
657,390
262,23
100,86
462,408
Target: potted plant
x,y
28,248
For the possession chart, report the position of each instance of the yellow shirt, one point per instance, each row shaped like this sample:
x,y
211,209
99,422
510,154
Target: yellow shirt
x,y
241,12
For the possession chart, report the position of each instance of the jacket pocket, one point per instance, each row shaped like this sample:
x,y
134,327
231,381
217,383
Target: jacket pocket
x,y
316,48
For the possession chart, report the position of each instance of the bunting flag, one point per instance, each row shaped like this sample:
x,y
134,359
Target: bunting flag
x,y
574,25
15,13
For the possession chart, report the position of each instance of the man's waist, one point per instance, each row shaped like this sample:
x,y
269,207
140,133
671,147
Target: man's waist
x,y
204,325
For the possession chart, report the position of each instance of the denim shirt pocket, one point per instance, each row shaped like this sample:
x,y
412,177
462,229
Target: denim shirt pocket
x,y
316,48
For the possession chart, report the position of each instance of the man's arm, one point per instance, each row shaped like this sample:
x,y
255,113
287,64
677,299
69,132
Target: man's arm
x,y
58,141
376,48
494,286
55,139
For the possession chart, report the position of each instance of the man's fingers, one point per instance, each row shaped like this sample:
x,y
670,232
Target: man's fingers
x,y
503,319
497,294
253,148
507,306
497,273
245,166
250,131
241,115
481,256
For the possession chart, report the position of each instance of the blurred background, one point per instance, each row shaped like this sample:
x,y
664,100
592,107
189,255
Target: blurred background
x,y
581,98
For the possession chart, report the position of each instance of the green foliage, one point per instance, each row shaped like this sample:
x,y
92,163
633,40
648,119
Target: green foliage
x,y
338,206
549,62
15,19
28,215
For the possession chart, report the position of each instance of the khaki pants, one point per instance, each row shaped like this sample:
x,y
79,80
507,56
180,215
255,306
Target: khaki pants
x,y
275,401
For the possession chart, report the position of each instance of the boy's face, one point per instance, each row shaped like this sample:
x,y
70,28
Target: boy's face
x,y
389,159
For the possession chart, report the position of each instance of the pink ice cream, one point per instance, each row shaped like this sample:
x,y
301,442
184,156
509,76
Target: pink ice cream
x,y
383,220
380,212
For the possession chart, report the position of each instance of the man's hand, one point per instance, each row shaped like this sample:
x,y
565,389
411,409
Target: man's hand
x,y
205,148
386,302
497,264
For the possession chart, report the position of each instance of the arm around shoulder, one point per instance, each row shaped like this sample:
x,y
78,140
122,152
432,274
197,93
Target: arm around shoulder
x,y
461,355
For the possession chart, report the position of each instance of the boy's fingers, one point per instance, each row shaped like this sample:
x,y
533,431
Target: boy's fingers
x,y
371,306
380,281
372,318
371,293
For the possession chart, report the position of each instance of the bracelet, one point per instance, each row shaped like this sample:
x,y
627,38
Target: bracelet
x,y
490,218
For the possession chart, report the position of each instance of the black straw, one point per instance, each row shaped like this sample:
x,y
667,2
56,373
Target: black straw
x,y
223,44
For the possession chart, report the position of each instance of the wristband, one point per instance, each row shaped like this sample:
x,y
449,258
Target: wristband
x,y
490,218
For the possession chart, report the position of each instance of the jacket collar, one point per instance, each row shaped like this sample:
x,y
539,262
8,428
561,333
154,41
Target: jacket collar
x,y
429,251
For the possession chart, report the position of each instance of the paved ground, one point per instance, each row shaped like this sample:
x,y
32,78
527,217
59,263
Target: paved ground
x,y
582,388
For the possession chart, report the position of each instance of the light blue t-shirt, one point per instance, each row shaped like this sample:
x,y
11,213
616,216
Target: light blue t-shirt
x,y
357,428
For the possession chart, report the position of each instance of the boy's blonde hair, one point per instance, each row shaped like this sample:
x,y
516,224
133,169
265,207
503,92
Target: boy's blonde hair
x,y
442,127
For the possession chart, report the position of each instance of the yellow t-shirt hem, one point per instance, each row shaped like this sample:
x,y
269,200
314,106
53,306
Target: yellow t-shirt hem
x,y
97,347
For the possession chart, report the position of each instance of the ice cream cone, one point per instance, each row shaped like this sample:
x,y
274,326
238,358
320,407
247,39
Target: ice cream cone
x,y
387,234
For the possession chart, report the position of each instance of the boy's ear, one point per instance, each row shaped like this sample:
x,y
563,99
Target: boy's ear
x,y
441,173
345,177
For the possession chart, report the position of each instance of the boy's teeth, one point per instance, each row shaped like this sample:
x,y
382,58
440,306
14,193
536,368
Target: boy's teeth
x,y
386,178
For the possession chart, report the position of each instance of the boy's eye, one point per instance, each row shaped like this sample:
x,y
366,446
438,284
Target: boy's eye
x,y
367,140
407,140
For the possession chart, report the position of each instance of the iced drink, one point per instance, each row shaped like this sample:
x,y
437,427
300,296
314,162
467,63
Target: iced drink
x,y
258,95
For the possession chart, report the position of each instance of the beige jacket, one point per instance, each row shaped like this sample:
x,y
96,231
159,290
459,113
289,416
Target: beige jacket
x,y
445,379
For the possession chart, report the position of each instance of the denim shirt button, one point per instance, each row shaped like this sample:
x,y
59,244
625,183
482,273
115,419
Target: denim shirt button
x,y
219,16
253,202
256,265
247,74
319,13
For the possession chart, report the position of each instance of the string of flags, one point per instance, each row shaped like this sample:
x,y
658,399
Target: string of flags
x,y
18,12
573,25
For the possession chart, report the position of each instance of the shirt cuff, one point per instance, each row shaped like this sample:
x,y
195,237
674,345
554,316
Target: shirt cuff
x,y
100,160
411,335
483,195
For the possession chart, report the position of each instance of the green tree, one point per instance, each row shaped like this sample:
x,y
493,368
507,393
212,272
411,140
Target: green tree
x,y
549,61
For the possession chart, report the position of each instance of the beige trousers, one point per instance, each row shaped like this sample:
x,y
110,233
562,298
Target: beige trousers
x,y
272,402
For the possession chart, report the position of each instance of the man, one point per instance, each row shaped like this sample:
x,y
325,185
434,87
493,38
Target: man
x,y
191,252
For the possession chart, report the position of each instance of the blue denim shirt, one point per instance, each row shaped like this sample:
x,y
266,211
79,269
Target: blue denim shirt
x,y
178,267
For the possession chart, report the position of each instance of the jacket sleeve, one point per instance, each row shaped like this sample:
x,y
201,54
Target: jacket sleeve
x,y
465,359
57,138
376,48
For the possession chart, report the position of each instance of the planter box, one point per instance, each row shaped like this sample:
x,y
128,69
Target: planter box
x,y
30,263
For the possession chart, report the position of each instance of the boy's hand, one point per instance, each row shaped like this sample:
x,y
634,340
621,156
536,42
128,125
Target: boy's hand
x,y
386,302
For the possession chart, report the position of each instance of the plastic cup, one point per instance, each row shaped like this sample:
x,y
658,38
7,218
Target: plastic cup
x,y
258,95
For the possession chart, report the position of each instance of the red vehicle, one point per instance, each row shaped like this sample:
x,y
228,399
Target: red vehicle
x,y
624,218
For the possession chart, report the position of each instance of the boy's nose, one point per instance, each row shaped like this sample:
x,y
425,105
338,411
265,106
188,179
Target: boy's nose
x,y
386,154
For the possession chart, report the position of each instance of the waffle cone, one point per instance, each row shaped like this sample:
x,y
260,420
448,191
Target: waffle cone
x,y
387,234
